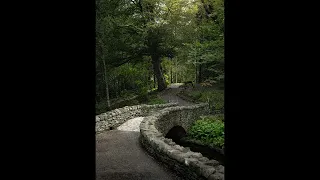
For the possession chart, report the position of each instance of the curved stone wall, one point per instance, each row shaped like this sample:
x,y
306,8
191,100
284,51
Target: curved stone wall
x,y
118,116
190,165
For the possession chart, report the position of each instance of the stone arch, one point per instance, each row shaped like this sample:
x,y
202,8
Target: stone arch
x,y
176,133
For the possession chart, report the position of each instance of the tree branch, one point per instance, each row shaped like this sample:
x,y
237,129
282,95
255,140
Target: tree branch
x,y
126,60
208,10
140,6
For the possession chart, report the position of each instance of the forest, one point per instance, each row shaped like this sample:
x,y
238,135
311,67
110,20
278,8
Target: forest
x,y
142,46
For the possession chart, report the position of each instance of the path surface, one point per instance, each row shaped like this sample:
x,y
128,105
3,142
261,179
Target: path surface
x,y
170,95
131,125
119,155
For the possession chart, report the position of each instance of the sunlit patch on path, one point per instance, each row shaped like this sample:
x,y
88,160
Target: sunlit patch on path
x,y
131,125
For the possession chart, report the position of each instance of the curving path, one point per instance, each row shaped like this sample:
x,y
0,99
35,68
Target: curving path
x,y
170,95
119,155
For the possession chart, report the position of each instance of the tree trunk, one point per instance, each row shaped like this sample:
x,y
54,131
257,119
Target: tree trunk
x,y
200,74
149,77
158,73
195,77
124,84
106,81
176,71
154,80
117,88
171,73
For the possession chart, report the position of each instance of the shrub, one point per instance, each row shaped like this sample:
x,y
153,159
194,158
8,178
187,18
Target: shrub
x,y
209,130
101,107
156,101
196,95
215,97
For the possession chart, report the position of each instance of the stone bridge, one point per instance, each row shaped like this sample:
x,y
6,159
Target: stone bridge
x,y
112,119
188,164
159,121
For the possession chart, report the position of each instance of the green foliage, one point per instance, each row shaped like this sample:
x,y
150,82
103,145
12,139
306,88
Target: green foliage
x,y
195,95
156,100
214,97
129,32
144,97
127,93
129,80
209,130
101,107
150,98
167,79
206,47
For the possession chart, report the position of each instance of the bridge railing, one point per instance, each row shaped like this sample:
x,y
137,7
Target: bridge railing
x,y
113,119
190,165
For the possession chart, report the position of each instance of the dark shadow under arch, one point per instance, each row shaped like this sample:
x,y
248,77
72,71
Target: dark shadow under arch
x,y
176,133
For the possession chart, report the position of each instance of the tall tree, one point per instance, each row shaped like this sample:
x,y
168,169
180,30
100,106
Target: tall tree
x,y
132,31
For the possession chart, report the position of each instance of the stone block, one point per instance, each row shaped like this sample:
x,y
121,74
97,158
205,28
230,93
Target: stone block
x,y
216,176
212,162
186,149
196,155
172,143
180,148
220,169
174,154
182,156
118,111
167,140
192,162
205,170
203,159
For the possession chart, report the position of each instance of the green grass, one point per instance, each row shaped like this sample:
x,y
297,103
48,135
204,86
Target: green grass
x,y
214,97
156,100
209,130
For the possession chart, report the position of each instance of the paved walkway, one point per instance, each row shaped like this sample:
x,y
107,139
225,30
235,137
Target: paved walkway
x,y
119,155
170,95
131,125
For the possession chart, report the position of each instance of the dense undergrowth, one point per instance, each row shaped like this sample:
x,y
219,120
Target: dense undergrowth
x,y
215,97
209,130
